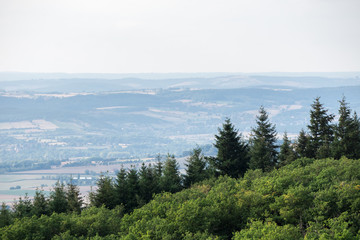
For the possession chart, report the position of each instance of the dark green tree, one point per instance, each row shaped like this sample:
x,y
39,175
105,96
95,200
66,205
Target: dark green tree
x,y
105,193
196,168
232,157
23,207
158,170
74,199
5,215
302,146
121,187
58,202
147,183
132,189
263,150
321,130
40,204
347,134
357,136
171,179
287,153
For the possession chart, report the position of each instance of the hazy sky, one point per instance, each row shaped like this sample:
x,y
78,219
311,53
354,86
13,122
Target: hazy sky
x,y
122,36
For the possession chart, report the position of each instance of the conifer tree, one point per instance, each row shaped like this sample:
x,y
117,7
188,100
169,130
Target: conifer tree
x,y
158,168
104,194
132,189
40,204
171,180
321,130
232,157
158,171
287,154
302,147
74,198
263,143
121,187
356,136
147,183
196,168
5,216
347,134
58,202
23,207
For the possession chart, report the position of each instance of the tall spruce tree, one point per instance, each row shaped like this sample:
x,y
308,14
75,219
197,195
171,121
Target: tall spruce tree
x,y
321,130
263,143
347,134
287,153
232,157
171,179
195,168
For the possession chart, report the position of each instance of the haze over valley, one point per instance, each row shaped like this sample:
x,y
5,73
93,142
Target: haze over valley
x,y
74,118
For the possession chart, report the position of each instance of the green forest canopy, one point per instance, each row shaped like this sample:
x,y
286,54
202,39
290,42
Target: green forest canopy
x,y
306,199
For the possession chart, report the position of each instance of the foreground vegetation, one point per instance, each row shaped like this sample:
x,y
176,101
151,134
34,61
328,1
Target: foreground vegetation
x,y
307,199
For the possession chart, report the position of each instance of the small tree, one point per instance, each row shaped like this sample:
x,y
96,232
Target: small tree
x,y
302,146
58,202
158,171
196,168
171,180
356,136
132,189
263,143
104,194
147,183
121,187
5,216
40,204
232,157
23,207
74,198
287,154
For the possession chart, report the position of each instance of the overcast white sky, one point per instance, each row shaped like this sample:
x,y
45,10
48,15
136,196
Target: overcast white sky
x,y
123,36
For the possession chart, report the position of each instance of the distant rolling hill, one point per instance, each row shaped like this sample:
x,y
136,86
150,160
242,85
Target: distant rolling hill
x,y
134,123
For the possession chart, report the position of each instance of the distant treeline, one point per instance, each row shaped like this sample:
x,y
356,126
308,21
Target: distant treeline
x,y
26,165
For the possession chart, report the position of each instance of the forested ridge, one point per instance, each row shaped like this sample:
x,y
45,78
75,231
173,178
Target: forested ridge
x,y
307,189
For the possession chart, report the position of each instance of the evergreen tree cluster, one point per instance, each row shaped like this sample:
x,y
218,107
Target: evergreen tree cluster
x,y
325,139
63,199
135,187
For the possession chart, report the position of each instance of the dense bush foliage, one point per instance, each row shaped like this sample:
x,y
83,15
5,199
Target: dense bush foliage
x,y
307,199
